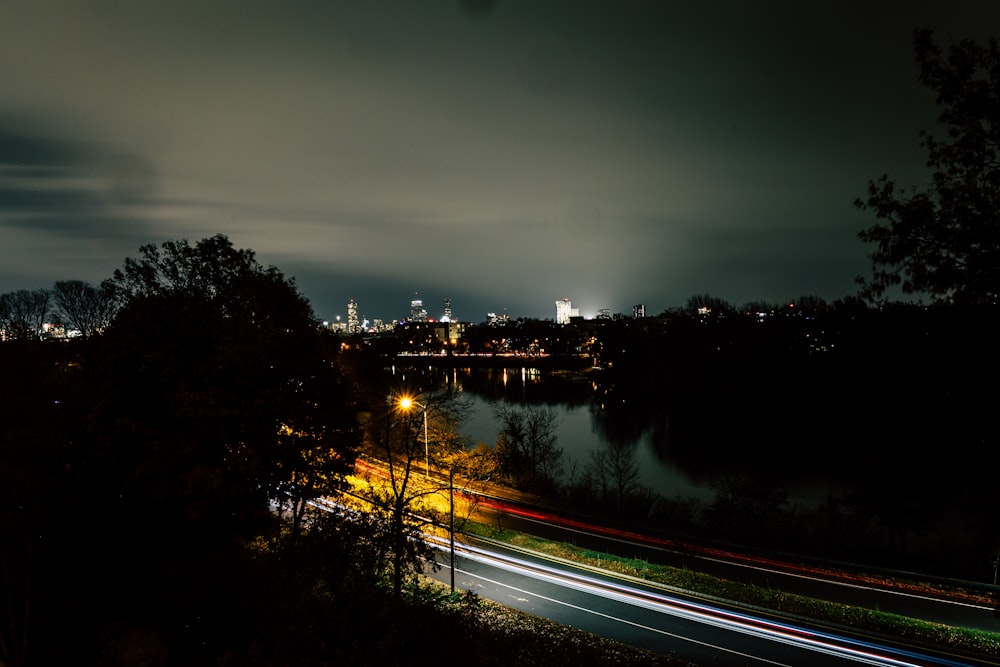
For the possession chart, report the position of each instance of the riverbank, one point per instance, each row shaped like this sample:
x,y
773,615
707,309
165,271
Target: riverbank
x,y
563,363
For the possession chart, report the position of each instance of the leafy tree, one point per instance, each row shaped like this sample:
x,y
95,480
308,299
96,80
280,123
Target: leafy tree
x,y
212,393
82,306
23,314
210,269
227,361
944,240
315,445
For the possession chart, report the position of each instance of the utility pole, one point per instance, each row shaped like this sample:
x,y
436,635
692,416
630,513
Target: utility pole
x,y
451,521
996,591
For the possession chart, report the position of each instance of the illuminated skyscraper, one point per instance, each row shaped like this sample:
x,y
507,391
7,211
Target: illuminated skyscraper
x,y
639,310
417,311
564,311
352,317
498,320
447,310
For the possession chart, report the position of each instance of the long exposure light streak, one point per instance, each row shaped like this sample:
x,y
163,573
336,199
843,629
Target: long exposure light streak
x,y
824,642
767,565
849,648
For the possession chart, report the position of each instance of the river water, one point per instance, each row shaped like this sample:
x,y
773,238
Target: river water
x,y
578,432
583,427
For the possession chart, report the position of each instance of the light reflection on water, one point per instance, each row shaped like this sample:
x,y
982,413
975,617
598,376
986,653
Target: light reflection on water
x,y
577,435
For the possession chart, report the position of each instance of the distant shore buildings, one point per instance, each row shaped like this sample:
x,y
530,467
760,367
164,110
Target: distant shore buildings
x,y
565,311
356,323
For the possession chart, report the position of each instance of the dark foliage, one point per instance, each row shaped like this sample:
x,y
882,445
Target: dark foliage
x,y
137,467
944,240
887,406
527,452
80,306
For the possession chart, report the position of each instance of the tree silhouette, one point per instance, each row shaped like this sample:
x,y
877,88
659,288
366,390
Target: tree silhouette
x,y
944,241
23,313
79,304
209,395
400,489
527,451
615,473
708,307
216,363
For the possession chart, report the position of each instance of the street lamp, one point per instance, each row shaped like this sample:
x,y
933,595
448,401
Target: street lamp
x,y
406,403
451,522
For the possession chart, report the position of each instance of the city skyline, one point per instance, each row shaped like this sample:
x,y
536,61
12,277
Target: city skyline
x,y
356,315
498,153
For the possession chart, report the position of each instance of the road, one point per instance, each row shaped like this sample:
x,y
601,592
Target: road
x,y
706,634
660,620
822,583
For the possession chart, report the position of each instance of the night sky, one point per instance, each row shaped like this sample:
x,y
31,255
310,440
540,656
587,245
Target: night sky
x,y
504,154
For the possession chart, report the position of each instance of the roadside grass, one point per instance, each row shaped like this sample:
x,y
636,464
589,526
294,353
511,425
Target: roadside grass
x,y
775,601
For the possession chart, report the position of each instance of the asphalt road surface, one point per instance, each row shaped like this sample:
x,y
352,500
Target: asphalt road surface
x,y
648,617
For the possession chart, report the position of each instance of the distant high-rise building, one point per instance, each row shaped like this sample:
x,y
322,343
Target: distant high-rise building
x,y
639,310
352,317
417,311
604,313
447,310
338,326
498,320
564,311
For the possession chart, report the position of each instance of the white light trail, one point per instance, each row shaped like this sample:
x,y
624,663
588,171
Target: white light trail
x,y
845,647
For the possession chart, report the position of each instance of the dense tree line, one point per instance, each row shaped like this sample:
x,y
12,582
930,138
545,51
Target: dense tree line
x,y
886,407
72,307
157,473
877,412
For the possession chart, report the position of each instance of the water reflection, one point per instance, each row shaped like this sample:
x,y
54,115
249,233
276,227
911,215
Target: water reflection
x,y
586,421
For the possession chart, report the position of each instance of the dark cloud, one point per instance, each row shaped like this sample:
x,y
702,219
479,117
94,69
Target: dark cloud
x,y
69,208
478,9
127,178
21,147
500,153
62,186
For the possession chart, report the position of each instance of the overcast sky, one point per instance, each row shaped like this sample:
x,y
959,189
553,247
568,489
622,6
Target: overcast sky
x,y
503,153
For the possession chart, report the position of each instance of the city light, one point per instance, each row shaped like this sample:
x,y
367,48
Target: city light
x,y
406,403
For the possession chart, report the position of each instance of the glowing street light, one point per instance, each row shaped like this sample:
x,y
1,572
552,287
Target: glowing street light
x,y
406,403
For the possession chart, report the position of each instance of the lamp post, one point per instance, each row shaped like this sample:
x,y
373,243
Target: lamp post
x,y
406,403
451,521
